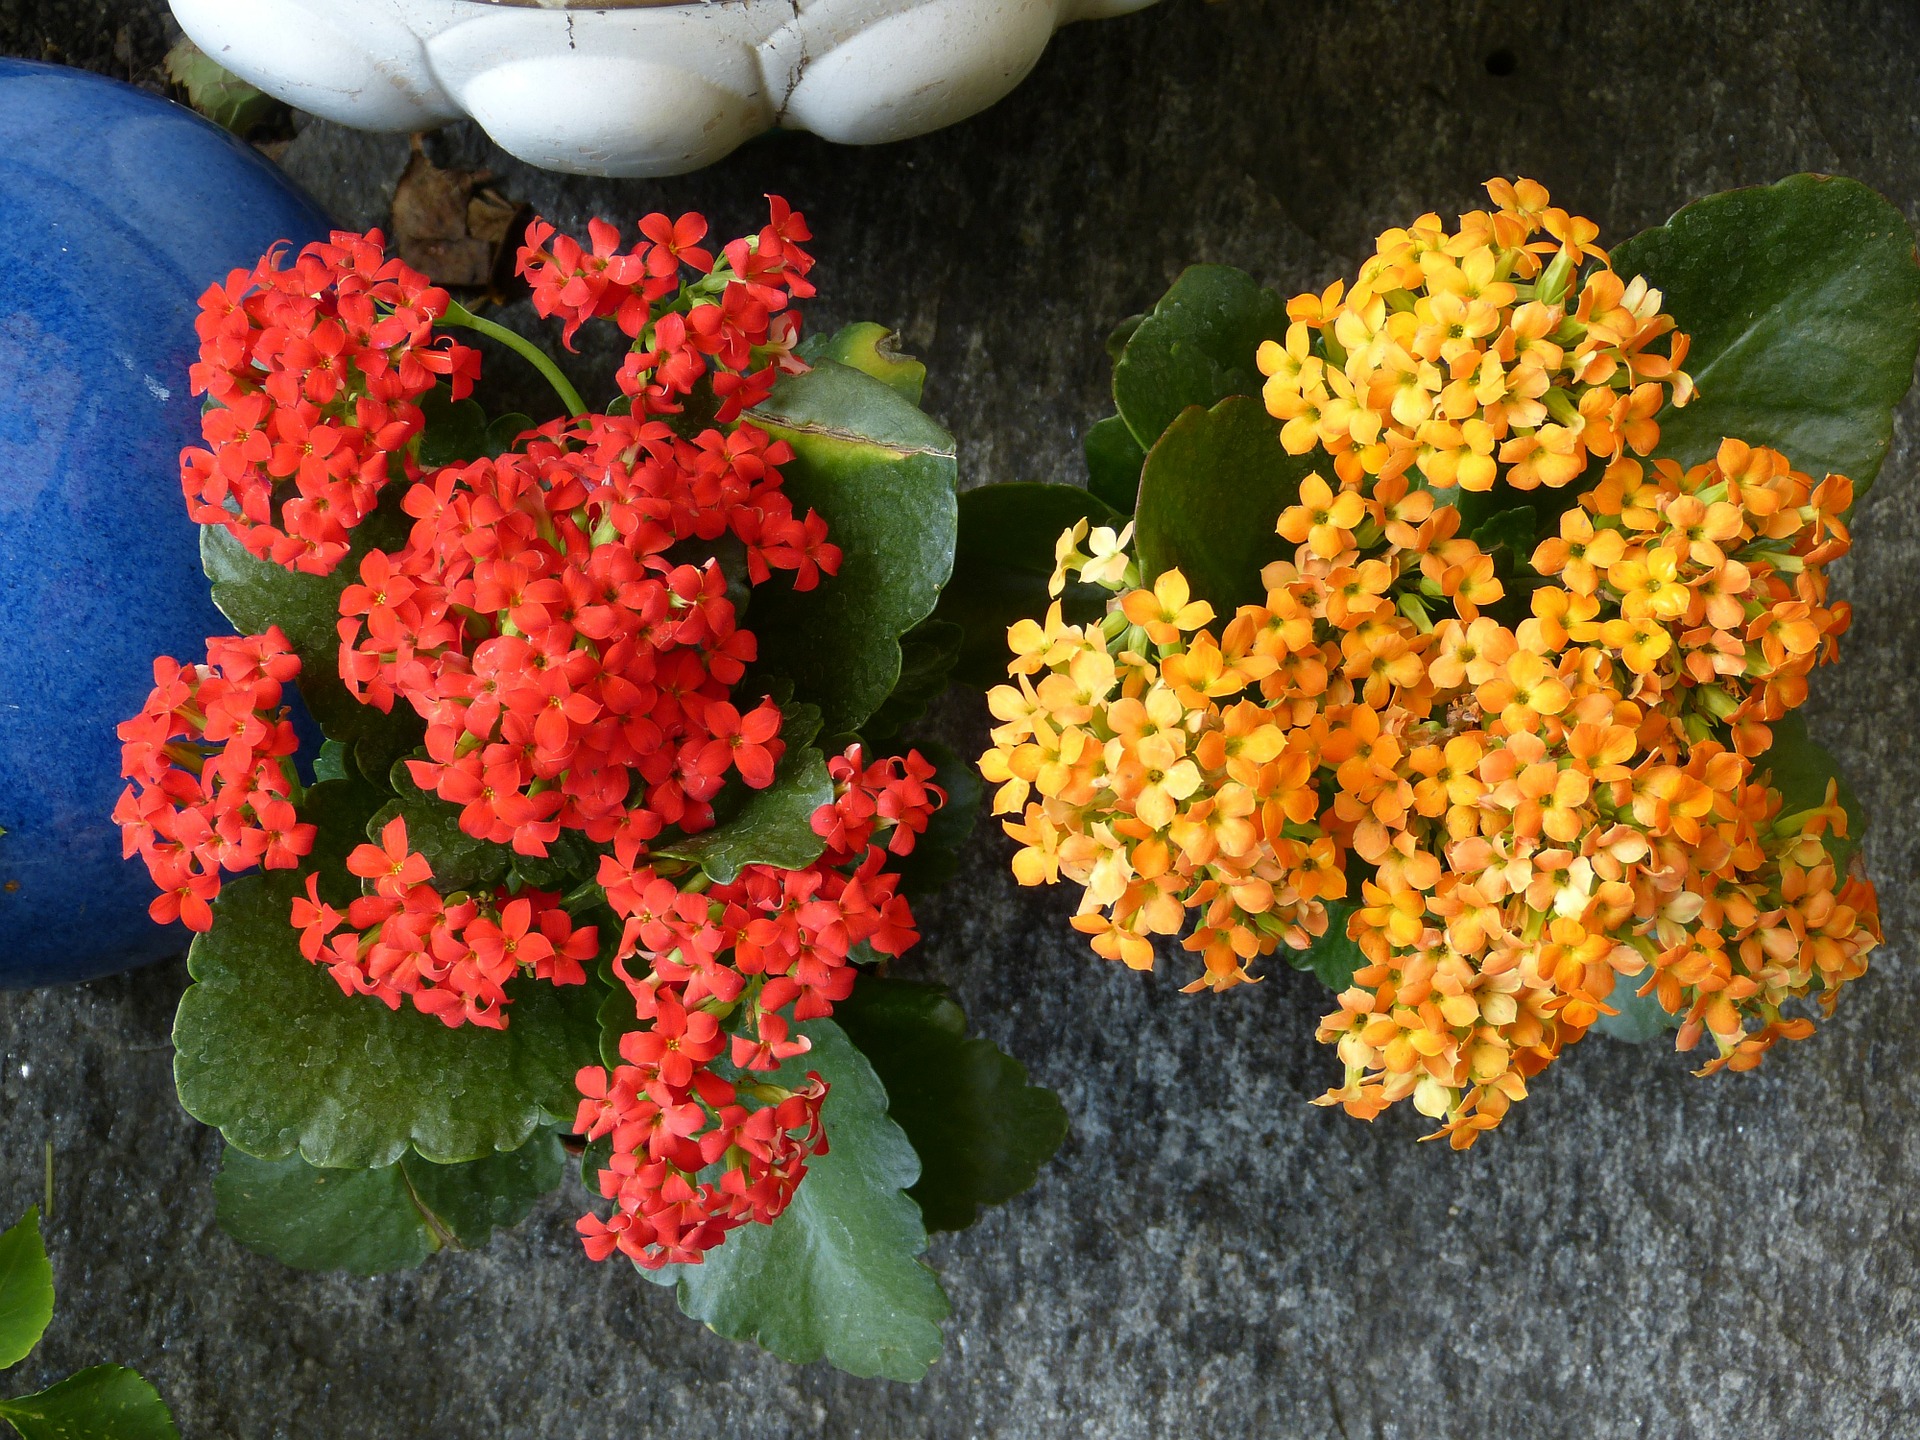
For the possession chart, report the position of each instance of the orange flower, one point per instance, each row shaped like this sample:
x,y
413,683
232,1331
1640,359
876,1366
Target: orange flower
x,y
1166,610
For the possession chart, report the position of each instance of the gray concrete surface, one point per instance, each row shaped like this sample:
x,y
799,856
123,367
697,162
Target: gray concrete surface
x,y
1635,1254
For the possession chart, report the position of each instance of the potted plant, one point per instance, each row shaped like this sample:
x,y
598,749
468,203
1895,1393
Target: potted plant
x,y
1444,632
615,829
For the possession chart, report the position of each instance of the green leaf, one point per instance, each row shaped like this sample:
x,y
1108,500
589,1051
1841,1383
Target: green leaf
x,y
882,476
1518,529
455,430
1196,348
332,762
981,1131
217,93
505,430
570,859
1114,459
374,1221
26,1289
1210,495
928,653
254,594
492,1193
1799,767
1333,957
1117,338
1001,566
838,1275
268,1049
107,1402
774,826
1803,303
459,861
869,348
936,854
1641,1017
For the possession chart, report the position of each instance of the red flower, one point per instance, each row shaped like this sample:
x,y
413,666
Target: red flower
x,y
392,867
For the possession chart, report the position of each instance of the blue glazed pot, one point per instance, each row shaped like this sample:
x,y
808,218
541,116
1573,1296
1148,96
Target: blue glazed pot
x,y
121,208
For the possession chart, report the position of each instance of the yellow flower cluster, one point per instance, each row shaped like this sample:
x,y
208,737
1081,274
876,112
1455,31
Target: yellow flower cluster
x,y
1471,356
1531,802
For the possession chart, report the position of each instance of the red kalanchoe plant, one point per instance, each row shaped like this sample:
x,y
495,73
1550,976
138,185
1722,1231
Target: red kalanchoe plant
x,y
570,807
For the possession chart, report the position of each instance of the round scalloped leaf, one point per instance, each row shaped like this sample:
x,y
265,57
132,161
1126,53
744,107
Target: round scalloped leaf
x,y
268,1049
26,1289
882,475
1001,566
371,1222
773,827
1210,494
981,1131
459,861
1196,348
1803,303
838,1275
106,1402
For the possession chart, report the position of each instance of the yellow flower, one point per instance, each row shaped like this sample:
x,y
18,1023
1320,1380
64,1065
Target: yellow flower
x,y
1322,521
1167,609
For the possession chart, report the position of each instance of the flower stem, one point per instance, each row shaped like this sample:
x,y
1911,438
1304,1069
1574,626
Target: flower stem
x,y
458,315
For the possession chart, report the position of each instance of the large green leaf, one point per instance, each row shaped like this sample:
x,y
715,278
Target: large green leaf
x,y
26,1289
982,1132
1803,301
458,431
882,475
928,654
459,861
107,1402
389,1218
773,827
1001,567
254,594
268,1049
1196,348
1210,495
869,348
838,1275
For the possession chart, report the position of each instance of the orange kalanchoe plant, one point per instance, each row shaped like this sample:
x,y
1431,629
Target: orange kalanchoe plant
x,y
1529,778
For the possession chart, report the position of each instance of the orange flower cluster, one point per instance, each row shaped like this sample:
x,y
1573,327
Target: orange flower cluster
x,y
1477,355
1513,790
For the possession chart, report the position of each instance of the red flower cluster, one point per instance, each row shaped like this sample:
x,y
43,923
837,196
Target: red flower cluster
x,y
572,673
208,755
892,793
723,966
452,954
314,370
729,323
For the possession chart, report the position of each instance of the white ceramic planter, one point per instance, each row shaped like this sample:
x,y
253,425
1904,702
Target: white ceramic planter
x,y
637,87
